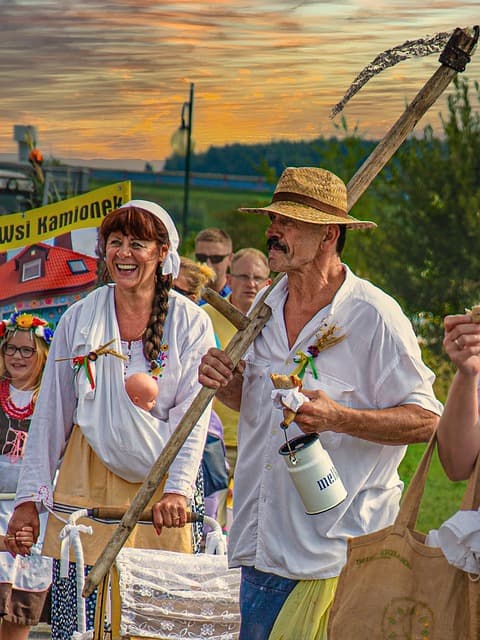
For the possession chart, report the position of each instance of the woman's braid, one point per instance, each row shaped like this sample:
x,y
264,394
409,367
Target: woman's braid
x,y
154,332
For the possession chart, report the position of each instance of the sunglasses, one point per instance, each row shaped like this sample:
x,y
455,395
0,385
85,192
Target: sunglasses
x,y
11,350
215,259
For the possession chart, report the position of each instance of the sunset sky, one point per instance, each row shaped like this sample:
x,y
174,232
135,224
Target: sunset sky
x,y
108,79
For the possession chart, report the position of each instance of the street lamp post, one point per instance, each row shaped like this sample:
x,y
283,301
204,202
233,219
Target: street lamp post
x,y
182,144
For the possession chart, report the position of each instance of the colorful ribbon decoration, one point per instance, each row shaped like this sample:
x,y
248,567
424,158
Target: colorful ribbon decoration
x,y
303,361
84,361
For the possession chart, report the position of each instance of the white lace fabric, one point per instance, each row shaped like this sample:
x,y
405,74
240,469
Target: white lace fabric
x,y
171,595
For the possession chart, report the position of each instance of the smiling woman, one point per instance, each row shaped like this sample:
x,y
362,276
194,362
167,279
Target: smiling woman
x,y
107,443
24,581
131,261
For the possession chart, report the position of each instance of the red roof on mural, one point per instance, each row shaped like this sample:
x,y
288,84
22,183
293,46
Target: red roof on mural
x,y
57,278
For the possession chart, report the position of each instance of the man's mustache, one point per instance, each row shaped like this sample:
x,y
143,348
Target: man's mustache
x,y
274,243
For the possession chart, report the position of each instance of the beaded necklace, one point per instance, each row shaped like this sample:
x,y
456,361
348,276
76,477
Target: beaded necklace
x,y
9,407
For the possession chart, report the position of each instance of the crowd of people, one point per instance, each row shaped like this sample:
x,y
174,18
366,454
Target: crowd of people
x,y
127,361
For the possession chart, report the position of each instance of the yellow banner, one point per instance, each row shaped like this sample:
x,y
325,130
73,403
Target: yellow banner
x,y
81,212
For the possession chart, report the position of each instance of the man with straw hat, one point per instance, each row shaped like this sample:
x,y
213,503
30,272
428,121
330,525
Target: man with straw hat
x,y
368,395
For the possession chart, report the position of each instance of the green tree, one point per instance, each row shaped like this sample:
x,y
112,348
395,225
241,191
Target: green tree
x,y
426,249
266,171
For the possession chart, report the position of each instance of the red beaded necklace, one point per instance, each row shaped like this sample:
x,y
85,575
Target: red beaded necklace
x,y
9,407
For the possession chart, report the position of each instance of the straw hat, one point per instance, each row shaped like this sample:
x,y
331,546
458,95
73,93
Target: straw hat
x,y
312,195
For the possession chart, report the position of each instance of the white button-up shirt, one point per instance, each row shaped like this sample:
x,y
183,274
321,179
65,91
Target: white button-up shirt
x,y
378,365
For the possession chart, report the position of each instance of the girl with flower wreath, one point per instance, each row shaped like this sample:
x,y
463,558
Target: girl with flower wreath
x,y
105,444
24,580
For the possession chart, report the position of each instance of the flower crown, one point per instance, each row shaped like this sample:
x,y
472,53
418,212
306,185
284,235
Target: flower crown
x,y
27,322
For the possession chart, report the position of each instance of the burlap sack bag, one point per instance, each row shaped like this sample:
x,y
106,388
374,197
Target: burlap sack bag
x,y
394,587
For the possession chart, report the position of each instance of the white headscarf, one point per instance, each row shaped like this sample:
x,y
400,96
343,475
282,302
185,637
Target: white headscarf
x,y
171,264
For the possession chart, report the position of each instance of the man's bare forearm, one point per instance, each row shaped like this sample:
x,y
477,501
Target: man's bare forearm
x,y
407,424
404,424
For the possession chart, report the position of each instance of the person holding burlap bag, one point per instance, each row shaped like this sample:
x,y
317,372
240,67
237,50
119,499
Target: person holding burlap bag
x,y
399,581
368,395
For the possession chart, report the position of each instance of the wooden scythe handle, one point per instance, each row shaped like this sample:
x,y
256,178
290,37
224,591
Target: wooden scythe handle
x,y
260,314
117,513
231,313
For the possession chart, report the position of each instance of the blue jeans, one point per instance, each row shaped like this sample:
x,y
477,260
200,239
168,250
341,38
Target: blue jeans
x,y
261,597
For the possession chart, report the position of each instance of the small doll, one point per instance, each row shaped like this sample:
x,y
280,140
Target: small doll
x,y
142,390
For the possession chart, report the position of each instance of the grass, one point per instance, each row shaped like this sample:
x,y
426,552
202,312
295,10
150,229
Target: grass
x,y
202,202
210,207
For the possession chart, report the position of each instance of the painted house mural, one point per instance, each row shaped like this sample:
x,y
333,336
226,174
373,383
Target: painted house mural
x,y
45,279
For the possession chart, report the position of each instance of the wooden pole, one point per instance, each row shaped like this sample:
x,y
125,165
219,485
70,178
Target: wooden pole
x,y
231,313
460,42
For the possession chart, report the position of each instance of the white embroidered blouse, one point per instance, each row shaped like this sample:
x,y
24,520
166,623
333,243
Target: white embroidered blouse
x,y
127,439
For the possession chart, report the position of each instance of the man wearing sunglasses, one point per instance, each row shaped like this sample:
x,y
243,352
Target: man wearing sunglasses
x,y
214,247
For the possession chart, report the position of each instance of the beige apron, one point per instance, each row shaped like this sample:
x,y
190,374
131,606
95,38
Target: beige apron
x,y
84,482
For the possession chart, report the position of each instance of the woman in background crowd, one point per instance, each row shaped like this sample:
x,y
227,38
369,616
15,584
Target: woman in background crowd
x,y
24,580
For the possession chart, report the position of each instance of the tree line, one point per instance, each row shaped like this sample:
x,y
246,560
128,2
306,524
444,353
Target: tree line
x,y
267,160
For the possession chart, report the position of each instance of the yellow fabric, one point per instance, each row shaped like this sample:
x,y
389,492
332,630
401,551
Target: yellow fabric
x,y
116,603
102,607
224,331
84,482
304,615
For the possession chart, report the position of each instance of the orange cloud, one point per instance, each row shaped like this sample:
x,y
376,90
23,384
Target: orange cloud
x,y
99,81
